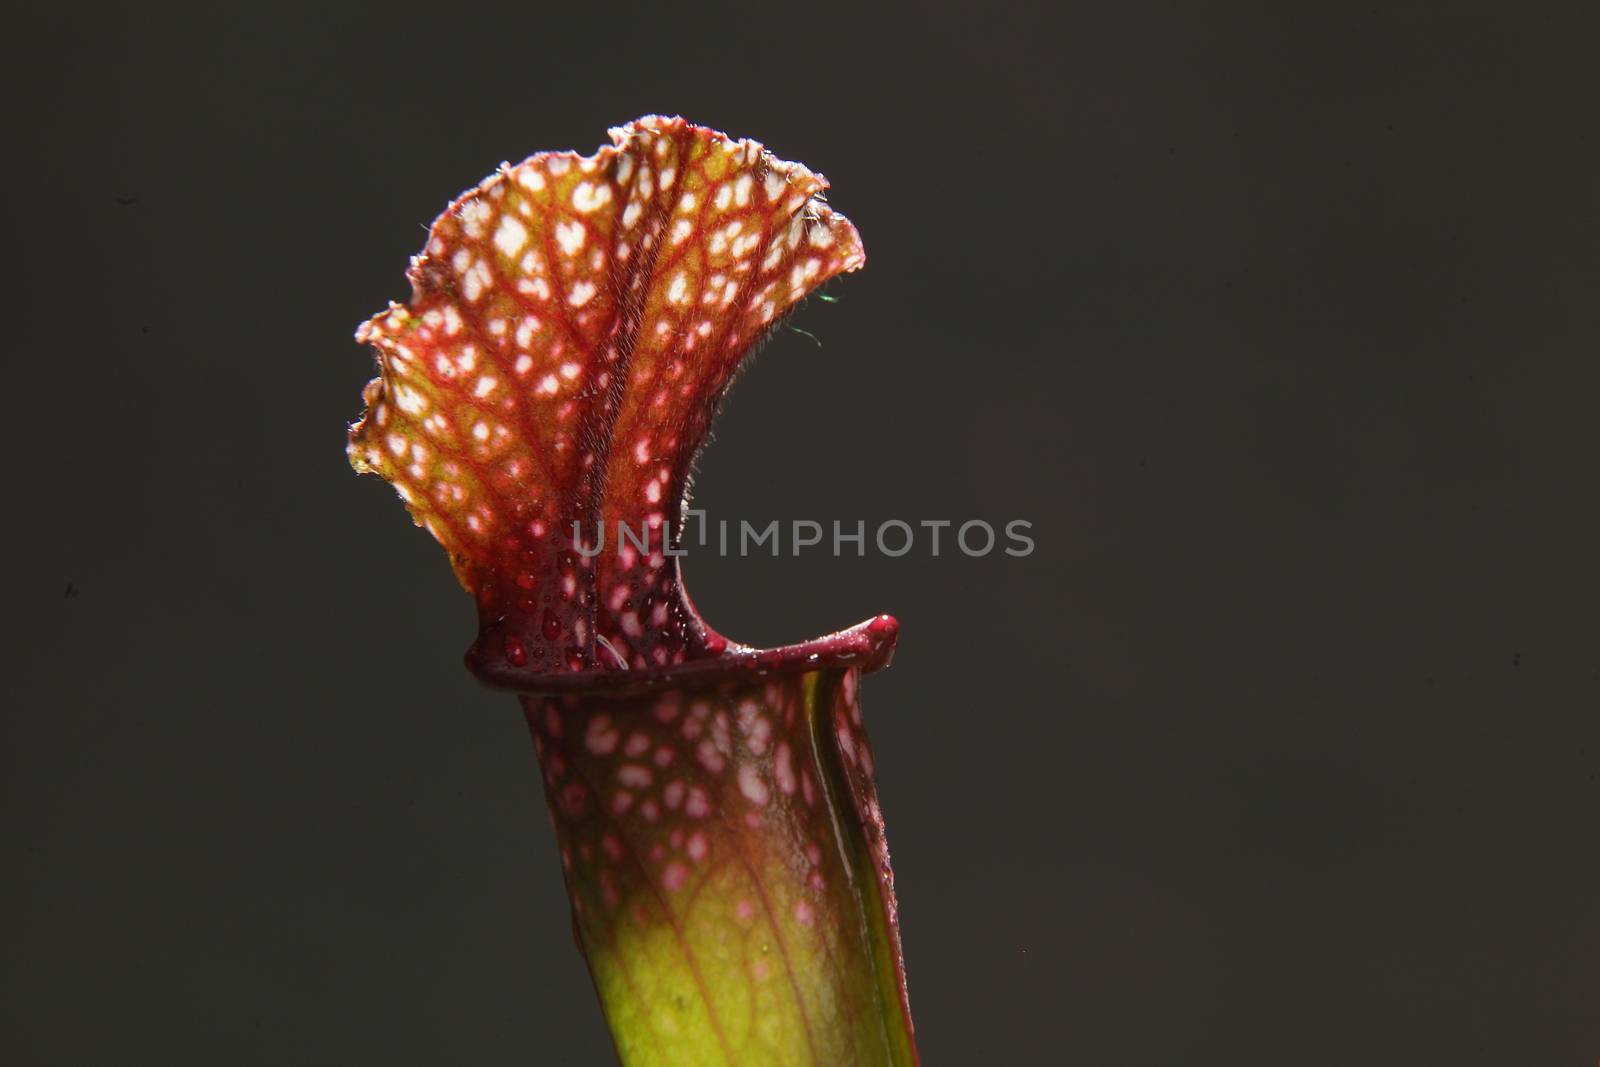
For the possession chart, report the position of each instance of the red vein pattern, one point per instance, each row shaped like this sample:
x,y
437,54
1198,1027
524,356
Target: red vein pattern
x,y
574,322
729,835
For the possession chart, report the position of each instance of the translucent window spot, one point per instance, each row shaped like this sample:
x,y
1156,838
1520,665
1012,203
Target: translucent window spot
x,y
510,236
589,197
570,236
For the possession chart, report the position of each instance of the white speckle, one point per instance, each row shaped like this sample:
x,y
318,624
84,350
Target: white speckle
x,y
741,190
530,178
485,386
472,284
581,294
570,235
524,364
511,235
724,198
569,370
600,738
548,384
474,213
481,431
409,400
773,184
681,231
679,290
783,768
696,806
588,196
634,776
675,877
709,757
750,784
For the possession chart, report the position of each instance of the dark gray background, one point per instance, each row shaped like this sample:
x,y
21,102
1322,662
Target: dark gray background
x,y
1278,321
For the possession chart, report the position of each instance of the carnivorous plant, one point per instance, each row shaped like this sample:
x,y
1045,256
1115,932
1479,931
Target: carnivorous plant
x,y
573,324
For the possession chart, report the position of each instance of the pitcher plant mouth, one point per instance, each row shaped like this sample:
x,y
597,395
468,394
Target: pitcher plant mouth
x,y
574,323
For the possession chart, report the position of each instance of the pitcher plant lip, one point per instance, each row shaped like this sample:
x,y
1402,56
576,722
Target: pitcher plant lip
x,y
868,646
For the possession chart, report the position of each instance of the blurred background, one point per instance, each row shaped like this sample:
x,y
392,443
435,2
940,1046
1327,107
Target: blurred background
x,y
1278,322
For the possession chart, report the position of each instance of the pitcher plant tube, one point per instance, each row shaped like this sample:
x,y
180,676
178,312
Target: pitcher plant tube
x,y
573,323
